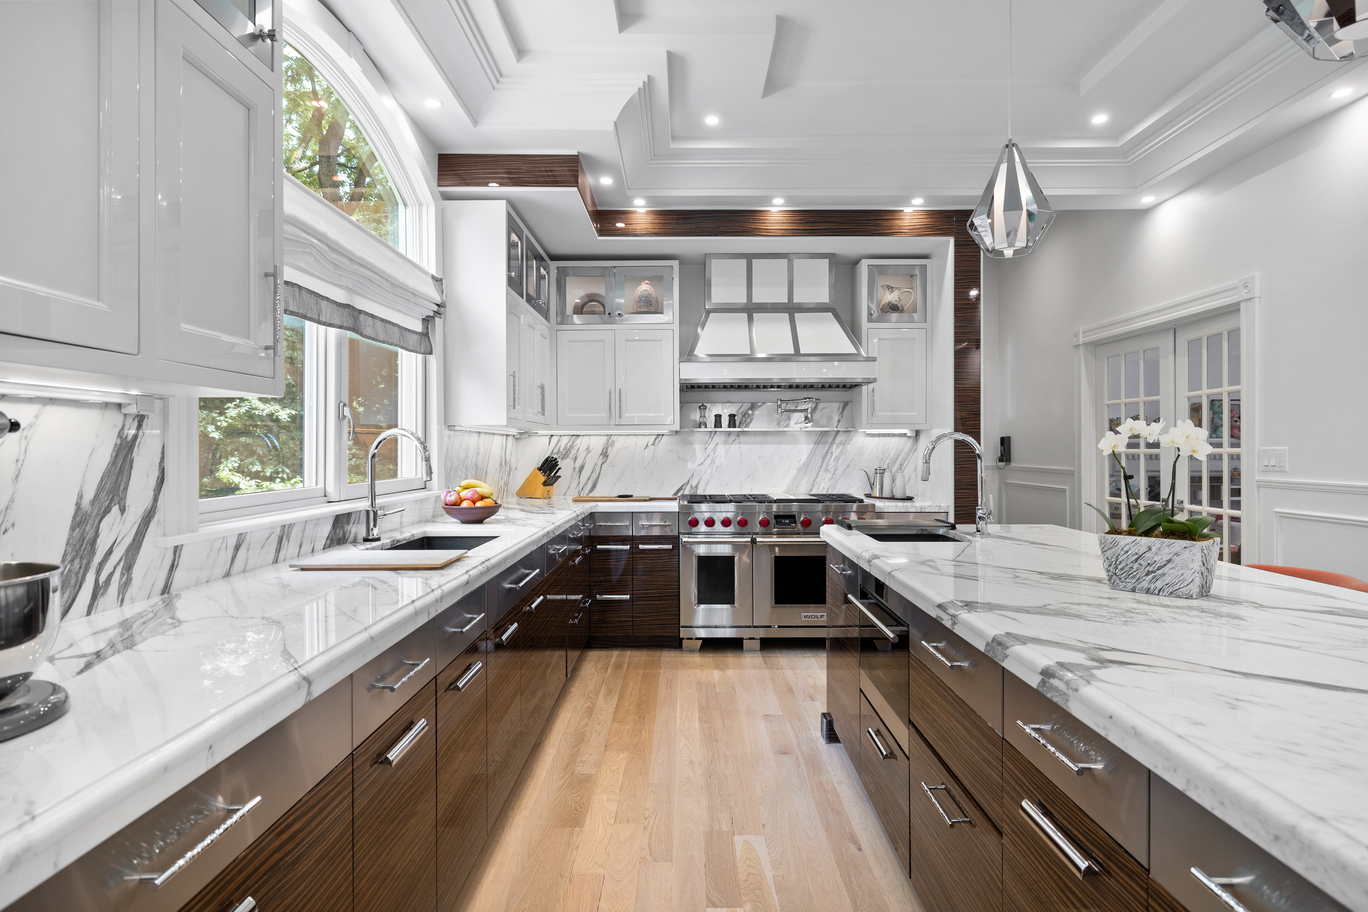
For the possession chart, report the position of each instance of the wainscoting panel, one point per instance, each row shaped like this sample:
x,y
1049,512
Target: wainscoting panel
x,y
1320,525
1035,502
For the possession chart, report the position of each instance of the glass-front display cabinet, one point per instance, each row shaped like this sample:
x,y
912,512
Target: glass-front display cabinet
x,y
893,291
615,294
517,252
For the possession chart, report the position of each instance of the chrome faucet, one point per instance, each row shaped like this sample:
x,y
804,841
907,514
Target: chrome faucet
x,y
373,513
982,514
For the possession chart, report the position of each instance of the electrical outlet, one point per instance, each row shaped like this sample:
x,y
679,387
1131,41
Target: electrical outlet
x,y
1273,459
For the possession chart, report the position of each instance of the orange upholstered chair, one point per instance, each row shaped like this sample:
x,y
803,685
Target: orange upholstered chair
x,y
1316,576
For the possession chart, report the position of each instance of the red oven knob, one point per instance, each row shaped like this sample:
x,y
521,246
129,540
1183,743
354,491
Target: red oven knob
x,y
741,523
726,521
693,521
805,522
826,521
708,522
764,522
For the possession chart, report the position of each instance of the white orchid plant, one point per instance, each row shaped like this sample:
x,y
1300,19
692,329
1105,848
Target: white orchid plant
x,y
1186,439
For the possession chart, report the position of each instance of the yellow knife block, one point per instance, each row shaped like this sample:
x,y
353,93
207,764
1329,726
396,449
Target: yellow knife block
x,y
532,487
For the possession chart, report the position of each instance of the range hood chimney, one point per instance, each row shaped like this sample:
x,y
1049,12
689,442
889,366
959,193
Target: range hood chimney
x,y
776,347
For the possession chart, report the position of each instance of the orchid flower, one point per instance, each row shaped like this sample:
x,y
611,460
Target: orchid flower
x,y
1112,442
1131,427
1152,430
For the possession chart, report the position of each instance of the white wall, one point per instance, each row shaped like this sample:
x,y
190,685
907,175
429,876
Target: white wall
x,y
1293,214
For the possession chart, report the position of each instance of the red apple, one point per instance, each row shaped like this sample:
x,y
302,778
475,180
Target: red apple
x,y
451,498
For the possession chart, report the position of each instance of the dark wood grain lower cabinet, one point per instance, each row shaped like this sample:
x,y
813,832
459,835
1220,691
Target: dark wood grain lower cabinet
x,y
504,706
883,770
610,586
956,850
1161,900
655,590
578,617
843,666
544,660
394,781
1063,861
461,771
303,862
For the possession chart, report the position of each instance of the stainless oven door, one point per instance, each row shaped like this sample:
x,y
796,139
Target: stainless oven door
x,y
715,582
790,583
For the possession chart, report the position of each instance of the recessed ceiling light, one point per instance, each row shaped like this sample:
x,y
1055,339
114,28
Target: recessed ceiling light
x,y
778,201
1341,93
432,102
712,120
493,184
638,202
605,180
622,224
917,200
1099,118
1146,199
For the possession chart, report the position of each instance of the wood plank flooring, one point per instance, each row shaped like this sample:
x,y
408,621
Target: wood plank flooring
x,y
693,782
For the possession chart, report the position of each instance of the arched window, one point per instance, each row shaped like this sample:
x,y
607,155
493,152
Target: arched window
x,y
326,150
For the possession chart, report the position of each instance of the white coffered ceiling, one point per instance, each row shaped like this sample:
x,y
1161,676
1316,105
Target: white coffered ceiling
x,y
851,104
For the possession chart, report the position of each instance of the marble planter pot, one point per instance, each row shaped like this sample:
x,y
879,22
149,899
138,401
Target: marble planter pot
x,y
1159,566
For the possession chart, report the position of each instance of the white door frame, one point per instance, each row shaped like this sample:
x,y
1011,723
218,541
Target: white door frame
x,y
1241,295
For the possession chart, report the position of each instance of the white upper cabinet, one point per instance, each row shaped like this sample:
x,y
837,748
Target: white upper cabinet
x,y
897,399
585,378
217,173
143,200
69,238
541,374
647,392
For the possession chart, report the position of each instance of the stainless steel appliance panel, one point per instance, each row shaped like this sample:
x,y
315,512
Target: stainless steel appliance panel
x,y
715,582
386,682
459,625
655,523
610,524
790,583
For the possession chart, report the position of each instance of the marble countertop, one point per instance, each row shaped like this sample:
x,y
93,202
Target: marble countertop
x,y
1252,701
163,690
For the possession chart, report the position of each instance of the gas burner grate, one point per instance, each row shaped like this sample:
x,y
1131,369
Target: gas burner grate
x,y
837,498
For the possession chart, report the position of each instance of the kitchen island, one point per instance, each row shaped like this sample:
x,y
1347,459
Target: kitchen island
x,y
1252,702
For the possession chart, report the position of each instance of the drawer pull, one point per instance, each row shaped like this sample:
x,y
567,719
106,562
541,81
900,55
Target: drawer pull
x,y
525,580
612,598
949,821
892,637
664,523
656,547
239,811
879,745
460,683
1034,731
577,618
934,649
508,634
418,666
1218,886
474,619
535,602
394,754
612,547
1079,863
247,905
840,568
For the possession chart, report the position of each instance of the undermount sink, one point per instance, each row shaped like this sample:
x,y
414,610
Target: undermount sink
x,y
442,543
945,536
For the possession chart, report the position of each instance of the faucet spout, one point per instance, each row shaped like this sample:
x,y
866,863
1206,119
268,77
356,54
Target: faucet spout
x,y
373,513
982,514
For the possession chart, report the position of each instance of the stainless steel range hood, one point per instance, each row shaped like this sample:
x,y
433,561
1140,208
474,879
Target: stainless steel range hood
x,y
789,347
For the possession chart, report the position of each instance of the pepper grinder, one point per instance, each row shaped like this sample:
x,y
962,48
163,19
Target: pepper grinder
x,y
717,420
703,415
731,421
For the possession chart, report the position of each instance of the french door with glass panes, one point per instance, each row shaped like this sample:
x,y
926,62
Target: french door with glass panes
x,y
1193,373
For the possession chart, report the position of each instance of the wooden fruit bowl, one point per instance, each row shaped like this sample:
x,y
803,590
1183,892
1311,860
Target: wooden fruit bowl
x,y
471,514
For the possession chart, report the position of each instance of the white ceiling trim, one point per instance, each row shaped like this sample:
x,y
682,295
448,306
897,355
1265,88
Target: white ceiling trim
x,y
1130,44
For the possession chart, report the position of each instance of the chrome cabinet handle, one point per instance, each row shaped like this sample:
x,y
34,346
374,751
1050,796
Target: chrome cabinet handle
x,y
612,598
655,547
535,602
474,619
248,904
841,569
1080,863
878,744
460,683
394,754
277,310
577,618
949,821
892,637
157,880
1034,731
1218,886
935,651
508,634
608,525
619,403
612,547
666,523
525,580
418,666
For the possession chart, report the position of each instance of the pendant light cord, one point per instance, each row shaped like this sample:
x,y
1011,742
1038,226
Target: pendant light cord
x,y
1009,70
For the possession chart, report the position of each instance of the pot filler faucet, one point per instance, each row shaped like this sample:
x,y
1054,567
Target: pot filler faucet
x,y
982,514
373,513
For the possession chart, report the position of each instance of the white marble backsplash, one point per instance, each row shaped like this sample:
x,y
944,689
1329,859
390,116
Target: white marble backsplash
x,y
718,462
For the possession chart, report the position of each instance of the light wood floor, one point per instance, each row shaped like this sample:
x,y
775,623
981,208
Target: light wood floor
x,y
692,782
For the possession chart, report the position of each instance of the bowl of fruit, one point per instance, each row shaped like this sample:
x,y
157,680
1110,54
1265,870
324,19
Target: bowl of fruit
x,y
472,502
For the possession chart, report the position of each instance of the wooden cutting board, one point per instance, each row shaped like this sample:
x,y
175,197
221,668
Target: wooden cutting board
x,y
379,560
636,498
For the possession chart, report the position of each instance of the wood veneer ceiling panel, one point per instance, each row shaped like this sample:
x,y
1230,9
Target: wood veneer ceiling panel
x,y
472,170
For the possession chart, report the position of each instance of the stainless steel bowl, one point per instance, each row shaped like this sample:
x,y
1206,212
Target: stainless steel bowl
x,y
29,617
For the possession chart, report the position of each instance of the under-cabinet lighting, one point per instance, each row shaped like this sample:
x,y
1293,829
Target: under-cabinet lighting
x,y
887,432
1099,119
909,210
432,102
712,120
641,210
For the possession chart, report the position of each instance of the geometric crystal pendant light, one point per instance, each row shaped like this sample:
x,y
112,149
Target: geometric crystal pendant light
x,y
1325,29
1012,215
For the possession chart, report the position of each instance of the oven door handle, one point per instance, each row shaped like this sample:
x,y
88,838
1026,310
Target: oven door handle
x,y
709,540
892,637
